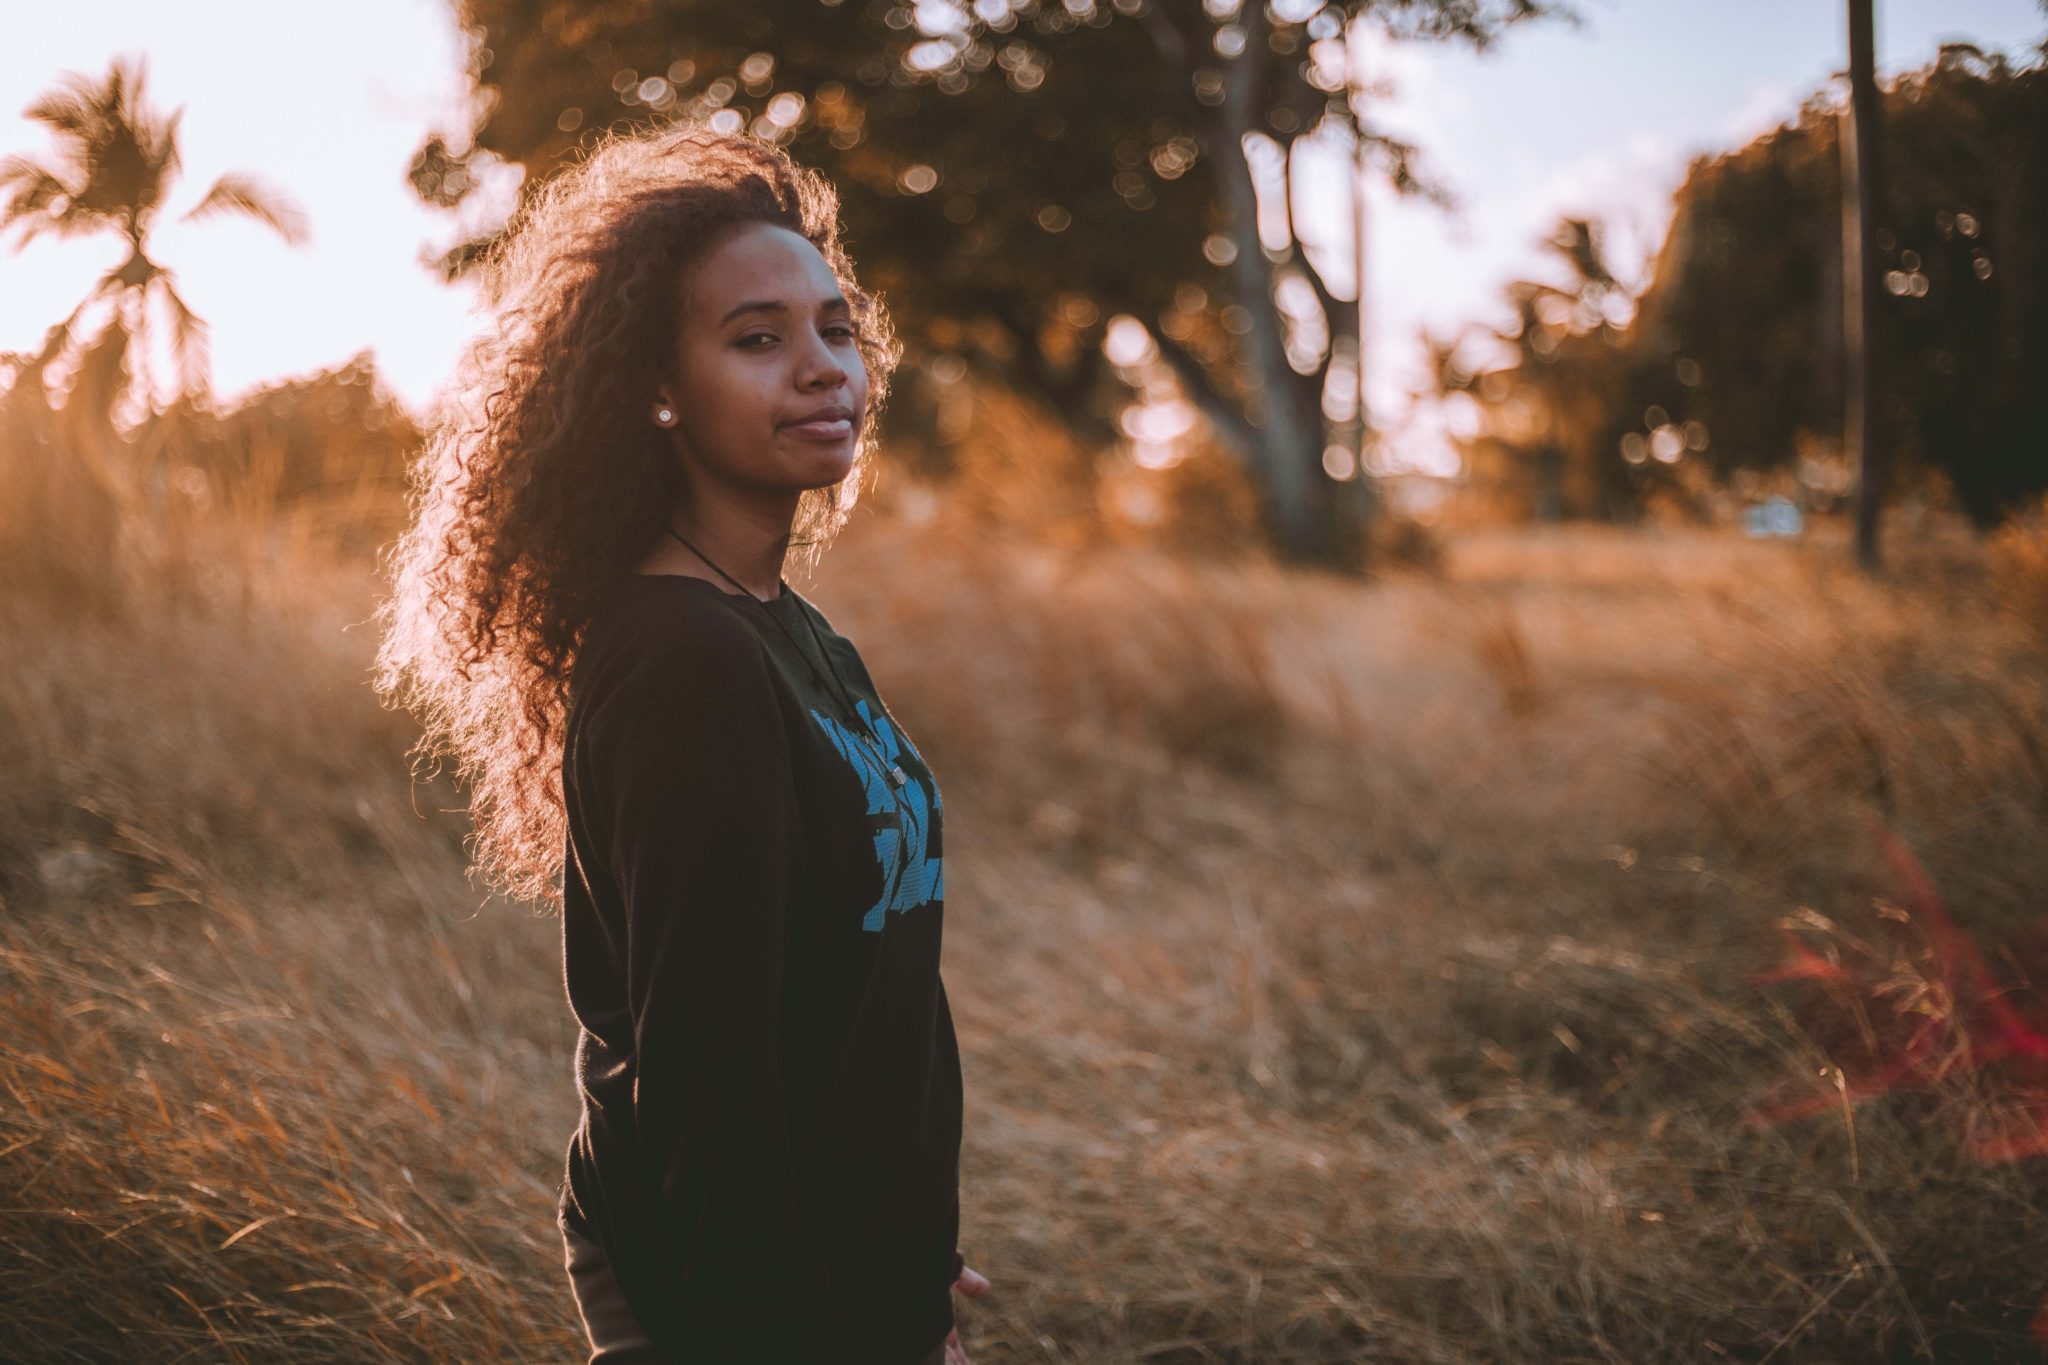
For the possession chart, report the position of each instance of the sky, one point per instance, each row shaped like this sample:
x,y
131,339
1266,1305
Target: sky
x,y
1598,118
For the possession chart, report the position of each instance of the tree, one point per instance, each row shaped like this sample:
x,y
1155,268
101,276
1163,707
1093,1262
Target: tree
x,y
1735,349
1557,406
115,162
70,475
1015,174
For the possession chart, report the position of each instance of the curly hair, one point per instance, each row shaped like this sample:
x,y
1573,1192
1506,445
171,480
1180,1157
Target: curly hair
x,y
541,483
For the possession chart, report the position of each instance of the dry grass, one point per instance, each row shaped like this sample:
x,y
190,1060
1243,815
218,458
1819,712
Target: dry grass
x,y
1343,973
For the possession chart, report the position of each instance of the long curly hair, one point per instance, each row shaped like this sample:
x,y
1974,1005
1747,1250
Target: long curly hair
x,y
541,481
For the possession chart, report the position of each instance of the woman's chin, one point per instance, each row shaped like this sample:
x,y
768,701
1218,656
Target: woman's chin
x,y
827,467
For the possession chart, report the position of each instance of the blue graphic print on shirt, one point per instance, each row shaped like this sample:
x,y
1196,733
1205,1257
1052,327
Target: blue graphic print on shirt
x,y
911,876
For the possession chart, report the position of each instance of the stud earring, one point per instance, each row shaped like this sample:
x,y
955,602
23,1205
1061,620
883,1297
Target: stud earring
x,y
664,416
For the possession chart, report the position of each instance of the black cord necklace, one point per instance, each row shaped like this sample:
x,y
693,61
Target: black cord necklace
x,y
853,727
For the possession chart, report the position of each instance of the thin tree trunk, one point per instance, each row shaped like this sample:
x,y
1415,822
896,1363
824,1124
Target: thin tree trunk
x,y
1861,197
1358,499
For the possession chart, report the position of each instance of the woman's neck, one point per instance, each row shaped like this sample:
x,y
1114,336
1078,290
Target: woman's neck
x,y
748,548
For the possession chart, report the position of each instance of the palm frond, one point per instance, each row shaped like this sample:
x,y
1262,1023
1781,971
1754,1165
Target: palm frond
x,y
188,340
238,193
114,151
19,168
161,158
36,189
72,110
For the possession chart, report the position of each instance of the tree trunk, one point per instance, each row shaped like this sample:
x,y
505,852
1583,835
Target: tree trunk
x,y
1861,200
1285,407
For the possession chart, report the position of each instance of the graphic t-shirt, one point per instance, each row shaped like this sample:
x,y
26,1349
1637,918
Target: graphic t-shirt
x,y
752,911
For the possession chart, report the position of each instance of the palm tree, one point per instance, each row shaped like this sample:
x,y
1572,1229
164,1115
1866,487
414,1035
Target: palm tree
x,y
60,525
112,171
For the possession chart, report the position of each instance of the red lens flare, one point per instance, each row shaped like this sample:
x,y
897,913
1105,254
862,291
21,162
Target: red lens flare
x,y
1924,1006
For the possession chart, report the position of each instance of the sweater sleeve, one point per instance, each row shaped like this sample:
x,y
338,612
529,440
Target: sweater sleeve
x,y
689,760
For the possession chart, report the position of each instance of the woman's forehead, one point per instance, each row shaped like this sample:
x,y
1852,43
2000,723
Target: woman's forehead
x,y
761,264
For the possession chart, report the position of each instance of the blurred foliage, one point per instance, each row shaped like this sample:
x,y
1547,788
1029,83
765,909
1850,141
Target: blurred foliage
x,y
2017,555
337,434
316,435
1729,371
321,457
1554,404
1014,174
59,518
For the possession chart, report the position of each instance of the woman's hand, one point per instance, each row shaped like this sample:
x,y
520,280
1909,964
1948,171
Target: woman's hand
x,y
973,1284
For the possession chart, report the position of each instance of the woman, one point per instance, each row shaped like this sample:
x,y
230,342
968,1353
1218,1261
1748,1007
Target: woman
x,y
679,390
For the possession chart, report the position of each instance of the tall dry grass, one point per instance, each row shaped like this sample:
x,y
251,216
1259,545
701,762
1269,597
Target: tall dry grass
x,y
1390,972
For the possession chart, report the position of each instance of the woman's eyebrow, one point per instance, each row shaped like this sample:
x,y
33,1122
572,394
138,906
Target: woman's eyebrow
x,y
835,303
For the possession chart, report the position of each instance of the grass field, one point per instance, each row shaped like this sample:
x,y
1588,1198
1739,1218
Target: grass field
x,y
1520,963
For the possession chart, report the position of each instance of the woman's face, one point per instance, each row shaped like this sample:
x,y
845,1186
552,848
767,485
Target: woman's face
x,y
764,341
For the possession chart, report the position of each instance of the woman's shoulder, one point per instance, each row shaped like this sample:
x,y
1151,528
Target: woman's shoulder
x,y
658,612
648,640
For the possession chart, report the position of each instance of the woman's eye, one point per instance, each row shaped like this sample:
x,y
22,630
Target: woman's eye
x,y
837,329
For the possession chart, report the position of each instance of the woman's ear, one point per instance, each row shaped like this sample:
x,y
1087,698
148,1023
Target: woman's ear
x,y
664,411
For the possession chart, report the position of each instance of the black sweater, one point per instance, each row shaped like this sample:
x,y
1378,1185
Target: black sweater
x,y
752,908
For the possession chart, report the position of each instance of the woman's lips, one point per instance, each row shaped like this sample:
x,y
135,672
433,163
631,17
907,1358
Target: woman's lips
x,y
837,429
